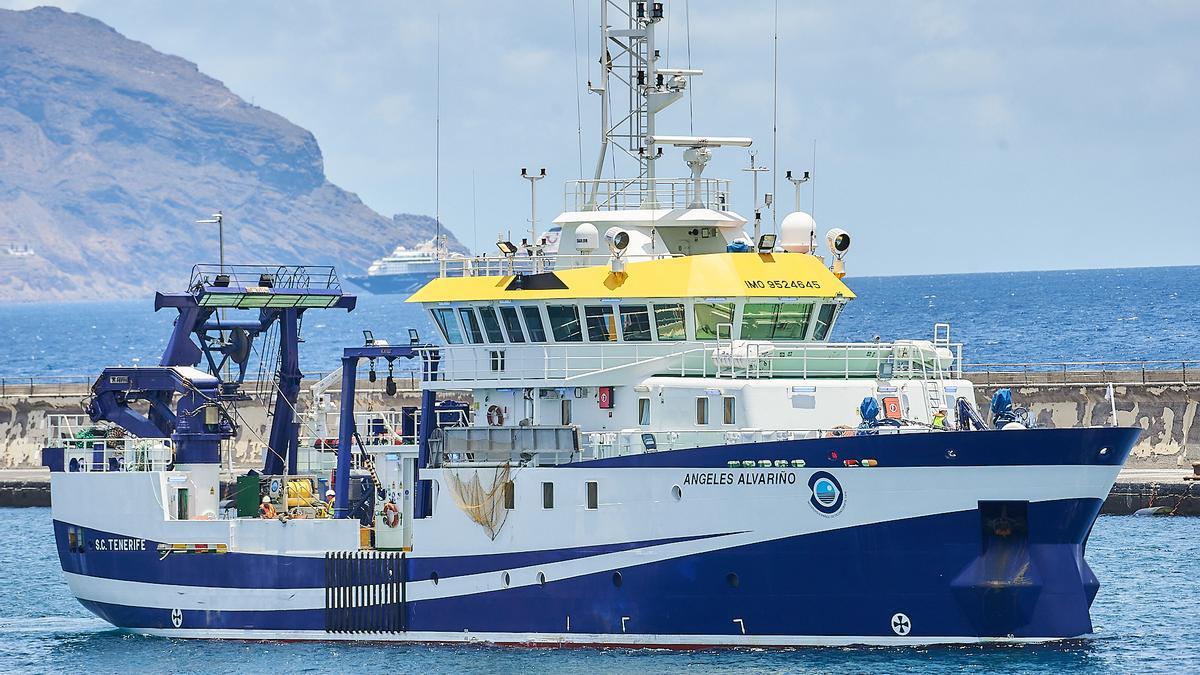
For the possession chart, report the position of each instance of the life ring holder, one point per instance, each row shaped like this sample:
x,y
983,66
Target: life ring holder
x,y
391,515
495,416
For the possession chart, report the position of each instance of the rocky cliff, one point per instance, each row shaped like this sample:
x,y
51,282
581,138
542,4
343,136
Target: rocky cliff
x,y
110,150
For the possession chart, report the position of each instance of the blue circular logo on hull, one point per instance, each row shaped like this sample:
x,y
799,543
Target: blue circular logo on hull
x,y
827,495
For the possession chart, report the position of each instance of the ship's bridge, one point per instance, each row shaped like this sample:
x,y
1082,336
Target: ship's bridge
x,y
735,314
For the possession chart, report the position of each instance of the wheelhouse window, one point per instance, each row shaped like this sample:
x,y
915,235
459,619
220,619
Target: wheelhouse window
x,y
444,318
474,334
593,495
702,410
644,411
491,325
670,322
533,322
564,323
635,323
824,321
709,318
729,408
775,321
512,324
601,323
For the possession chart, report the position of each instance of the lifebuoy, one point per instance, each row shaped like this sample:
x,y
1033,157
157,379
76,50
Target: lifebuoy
x,y
495,416
391,515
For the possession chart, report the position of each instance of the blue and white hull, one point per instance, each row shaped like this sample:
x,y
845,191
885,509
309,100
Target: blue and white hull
x,y
953,537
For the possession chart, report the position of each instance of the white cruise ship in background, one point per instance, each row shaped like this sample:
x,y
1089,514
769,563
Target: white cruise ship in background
x,y
404,270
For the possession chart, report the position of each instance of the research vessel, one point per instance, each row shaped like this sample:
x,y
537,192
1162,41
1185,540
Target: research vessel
x,y
652,441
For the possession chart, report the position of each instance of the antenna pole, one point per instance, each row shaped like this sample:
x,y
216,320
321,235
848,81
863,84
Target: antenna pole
x,y
754,171
533,178
602,89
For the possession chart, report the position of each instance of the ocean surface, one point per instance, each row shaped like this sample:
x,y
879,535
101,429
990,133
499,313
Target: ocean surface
x,y
1146,617
1144,314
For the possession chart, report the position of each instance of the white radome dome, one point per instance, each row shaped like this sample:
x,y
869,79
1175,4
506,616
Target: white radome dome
x,y
797,232
587,238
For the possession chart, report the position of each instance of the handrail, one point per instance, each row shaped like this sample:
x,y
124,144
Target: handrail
x,y
612,194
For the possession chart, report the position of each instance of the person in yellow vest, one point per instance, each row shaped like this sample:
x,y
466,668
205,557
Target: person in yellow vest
x,y
939,419
329,495
267,510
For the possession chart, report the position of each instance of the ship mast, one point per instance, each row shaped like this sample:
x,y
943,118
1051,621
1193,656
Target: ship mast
x,y
629,60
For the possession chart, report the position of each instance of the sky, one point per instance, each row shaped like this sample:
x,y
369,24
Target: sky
x,y
950,136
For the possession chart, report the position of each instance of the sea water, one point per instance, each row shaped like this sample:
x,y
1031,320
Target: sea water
x,y
1144,314
1146,616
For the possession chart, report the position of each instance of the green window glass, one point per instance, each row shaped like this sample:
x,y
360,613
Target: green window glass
x,y
772,321
491,325
564,323
824,321
601,324
711,315
758,320
669,319
533,321
793,322
472,325
448,324
512,324
635,323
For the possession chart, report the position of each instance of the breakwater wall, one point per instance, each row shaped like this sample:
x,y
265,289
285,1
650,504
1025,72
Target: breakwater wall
x,y
1164,403
25,408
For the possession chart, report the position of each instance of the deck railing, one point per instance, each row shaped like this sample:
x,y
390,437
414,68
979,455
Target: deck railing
x,y
1084,373
611,194
88,446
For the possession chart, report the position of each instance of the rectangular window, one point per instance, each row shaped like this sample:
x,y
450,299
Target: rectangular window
x,y
709,316
533,322
669,319
497,360
774,321
729,405
824,321
601,324
564,323
474,334
593,495
635,323
512,324
444,318
758,320
547,495
510,495
566,411
491,325
793,321
644,411
702,410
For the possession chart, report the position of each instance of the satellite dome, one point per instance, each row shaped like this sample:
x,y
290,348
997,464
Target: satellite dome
x,y
797,232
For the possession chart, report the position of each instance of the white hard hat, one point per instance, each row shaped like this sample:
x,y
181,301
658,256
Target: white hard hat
x,y
329,493
266,499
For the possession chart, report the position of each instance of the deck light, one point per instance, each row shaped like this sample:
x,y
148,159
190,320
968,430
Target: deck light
x,y
222,281
507,248
266,280
766,243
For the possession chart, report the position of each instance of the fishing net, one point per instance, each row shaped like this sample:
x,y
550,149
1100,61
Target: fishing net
x,y
481,493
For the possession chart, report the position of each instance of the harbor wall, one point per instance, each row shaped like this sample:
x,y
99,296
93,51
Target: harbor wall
x,y
24,412
1167,411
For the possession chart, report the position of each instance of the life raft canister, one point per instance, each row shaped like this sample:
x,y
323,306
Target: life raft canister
x,y
495,416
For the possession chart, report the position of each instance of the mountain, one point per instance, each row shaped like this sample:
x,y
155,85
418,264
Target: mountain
x,y
110,151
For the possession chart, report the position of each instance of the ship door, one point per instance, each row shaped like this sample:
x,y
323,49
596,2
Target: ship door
x,y
394,513
181,504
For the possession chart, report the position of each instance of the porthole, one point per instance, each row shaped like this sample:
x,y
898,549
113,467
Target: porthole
x,y
542,578
676,492
732,580
617,579
505,578
434,578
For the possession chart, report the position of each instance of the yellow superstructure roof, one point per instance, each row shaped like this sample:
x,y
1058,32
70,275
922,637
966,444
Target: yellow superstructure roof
x,y
711,275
